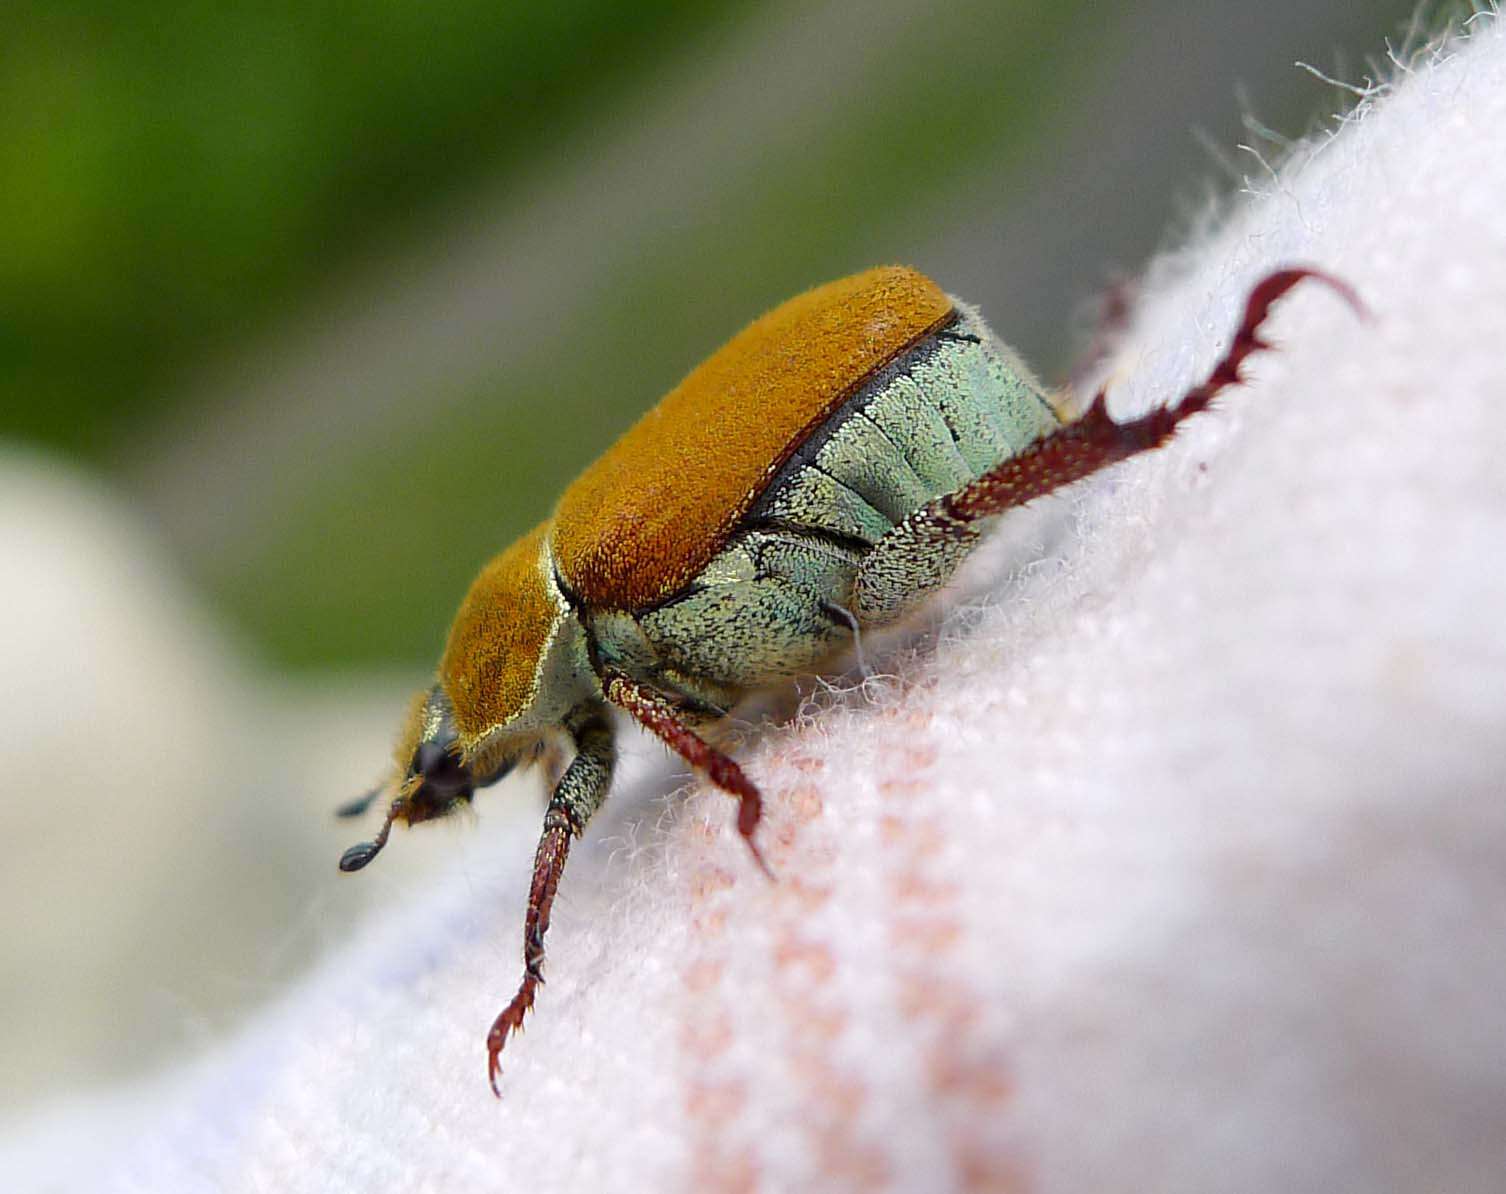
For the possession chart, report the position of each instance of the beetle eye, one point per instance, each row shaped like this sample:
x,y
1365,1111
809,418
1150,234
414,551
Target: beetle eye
x,y
442,772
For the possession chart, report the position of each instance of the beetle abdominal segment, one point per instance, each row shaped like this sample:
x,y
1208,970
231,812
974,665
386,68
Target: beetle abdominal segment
x,y
928,422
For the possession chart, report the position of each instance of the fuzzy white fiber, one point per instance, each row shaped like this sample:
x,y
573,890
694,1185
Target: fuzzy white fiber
x,y
1171,860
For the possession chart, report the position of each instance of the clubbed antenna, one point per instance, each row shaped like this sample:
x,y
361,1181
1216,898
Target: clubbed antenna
x,y
354,808
363,852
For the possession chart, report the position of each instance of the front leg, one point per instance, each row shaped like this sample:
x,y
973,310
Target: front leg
x,y
576,797
657,713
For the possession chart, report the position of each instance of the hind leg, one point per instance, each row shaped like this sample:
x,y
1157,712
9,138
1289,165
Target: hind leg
x,y
923,550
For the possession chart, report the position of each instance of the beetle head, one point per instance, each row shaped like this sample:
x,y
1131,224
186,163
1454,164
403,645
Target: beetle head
x,y
433,777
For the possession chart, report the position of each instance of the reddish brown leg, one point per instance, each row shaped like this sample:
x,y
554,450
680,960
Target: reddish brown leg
x,y
578,794
658,715
1095,441
548,866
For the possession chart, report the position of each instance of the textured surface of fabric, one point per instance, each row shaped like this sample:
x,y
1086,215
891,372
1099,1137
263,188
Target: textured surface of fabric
x,y
1173,859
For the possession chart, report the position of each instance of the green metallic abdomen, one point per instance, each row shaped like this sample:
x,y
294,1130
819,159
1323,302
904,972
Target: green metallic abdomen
x,y
941,415
774,602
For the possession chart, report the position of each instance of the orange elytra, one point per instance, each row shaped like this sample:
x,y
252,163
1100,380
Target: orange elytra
x,y
638,525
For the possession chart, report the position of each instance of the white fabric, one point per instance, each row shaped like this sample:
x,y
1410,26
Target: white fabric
x,y
1175,861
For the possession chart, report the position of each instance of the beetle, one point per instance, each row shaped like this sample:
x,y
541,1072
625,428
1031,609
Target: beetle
x,y
823,472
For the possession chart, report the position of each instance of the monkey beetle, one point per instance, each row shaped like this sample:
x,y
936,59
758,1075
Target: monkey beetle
x,y
826,470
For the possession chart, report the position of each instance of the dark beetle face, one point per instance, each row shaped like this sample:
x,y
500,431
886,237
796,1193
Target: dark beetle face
x,y
441,782
436,781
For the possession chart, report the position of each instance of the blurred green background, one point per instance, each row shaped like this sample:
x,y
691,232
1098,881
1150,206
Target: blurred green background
x,y
340,295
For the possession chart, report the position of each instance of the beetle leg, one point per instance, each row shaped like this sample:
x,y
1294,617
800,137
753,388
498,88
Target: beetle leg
x,y
1095,441
657,714
922,550
576,797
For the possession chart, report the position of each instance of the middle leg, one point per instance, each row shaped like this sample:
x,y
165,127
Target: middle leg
x,y
657,713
